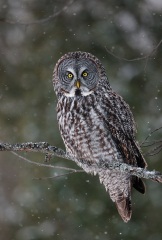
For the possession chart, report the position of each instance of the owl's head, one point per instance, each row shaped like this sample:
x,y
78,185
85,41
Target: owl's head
x,y
77,74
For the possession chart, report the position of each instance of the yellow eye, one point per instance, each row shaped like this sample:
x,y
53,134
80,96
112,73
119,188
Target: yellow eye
x,y
70,75
84,74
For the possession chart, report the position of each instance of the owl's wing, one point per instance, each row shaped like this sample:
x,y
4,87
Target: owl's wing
x,y
120,122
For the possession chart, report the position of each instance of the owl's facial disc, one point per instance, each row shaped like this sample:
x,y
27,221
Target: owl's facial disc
x,y
78,77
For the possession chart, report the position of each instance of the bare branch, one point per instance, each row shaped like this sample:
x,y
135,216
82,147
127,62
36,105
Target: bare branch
x,y
44,147
155,150
149,135
71,170
138,58
151,143
43,164
40,21
156,144
136,171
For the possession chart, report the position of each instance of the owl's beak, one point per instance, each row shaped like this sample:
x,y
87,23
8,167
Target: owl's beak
x,y
77,84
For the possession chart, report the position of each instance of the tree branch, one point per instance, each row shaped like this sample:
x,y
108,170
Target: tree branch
x,y
44,147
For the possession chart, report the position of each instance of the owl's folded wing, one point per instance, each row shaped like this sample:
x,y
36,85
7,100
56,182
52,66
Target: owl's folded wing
x,y
119,120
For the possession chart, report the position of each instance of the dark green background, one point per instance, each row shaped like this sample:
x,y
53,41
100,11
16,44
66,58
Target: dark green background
x,y
75,206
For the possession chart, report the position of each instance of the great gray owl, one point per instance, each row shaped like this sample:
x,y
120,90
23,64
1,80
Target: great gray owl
x,y
97,125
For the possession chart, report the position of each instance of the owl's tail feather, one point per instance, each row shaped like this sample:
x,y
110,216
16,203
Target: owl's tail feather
x,y
123,205
138,184
119,185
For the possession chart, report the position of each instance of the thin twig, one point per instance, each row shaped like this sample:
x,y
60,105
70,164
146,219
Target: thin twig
x,y
58,176
149,135
44,164
40,21
151,143
138,58
154,151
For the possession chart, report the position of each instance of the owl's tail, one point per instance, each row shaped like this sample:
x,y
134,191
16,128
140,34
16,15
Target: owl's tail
x,y
118,184
123,205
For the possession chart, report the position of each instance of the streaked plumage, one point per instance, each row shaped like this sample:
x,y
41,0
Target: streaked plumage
x,y
97,125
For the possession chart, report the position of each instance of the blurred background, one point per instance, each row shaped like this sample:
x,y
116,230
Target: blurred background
x,y
33,36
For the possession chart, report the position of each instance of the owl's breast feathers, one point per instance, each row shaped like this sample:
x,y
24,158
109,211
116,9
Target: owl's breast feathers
x,y
84,131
